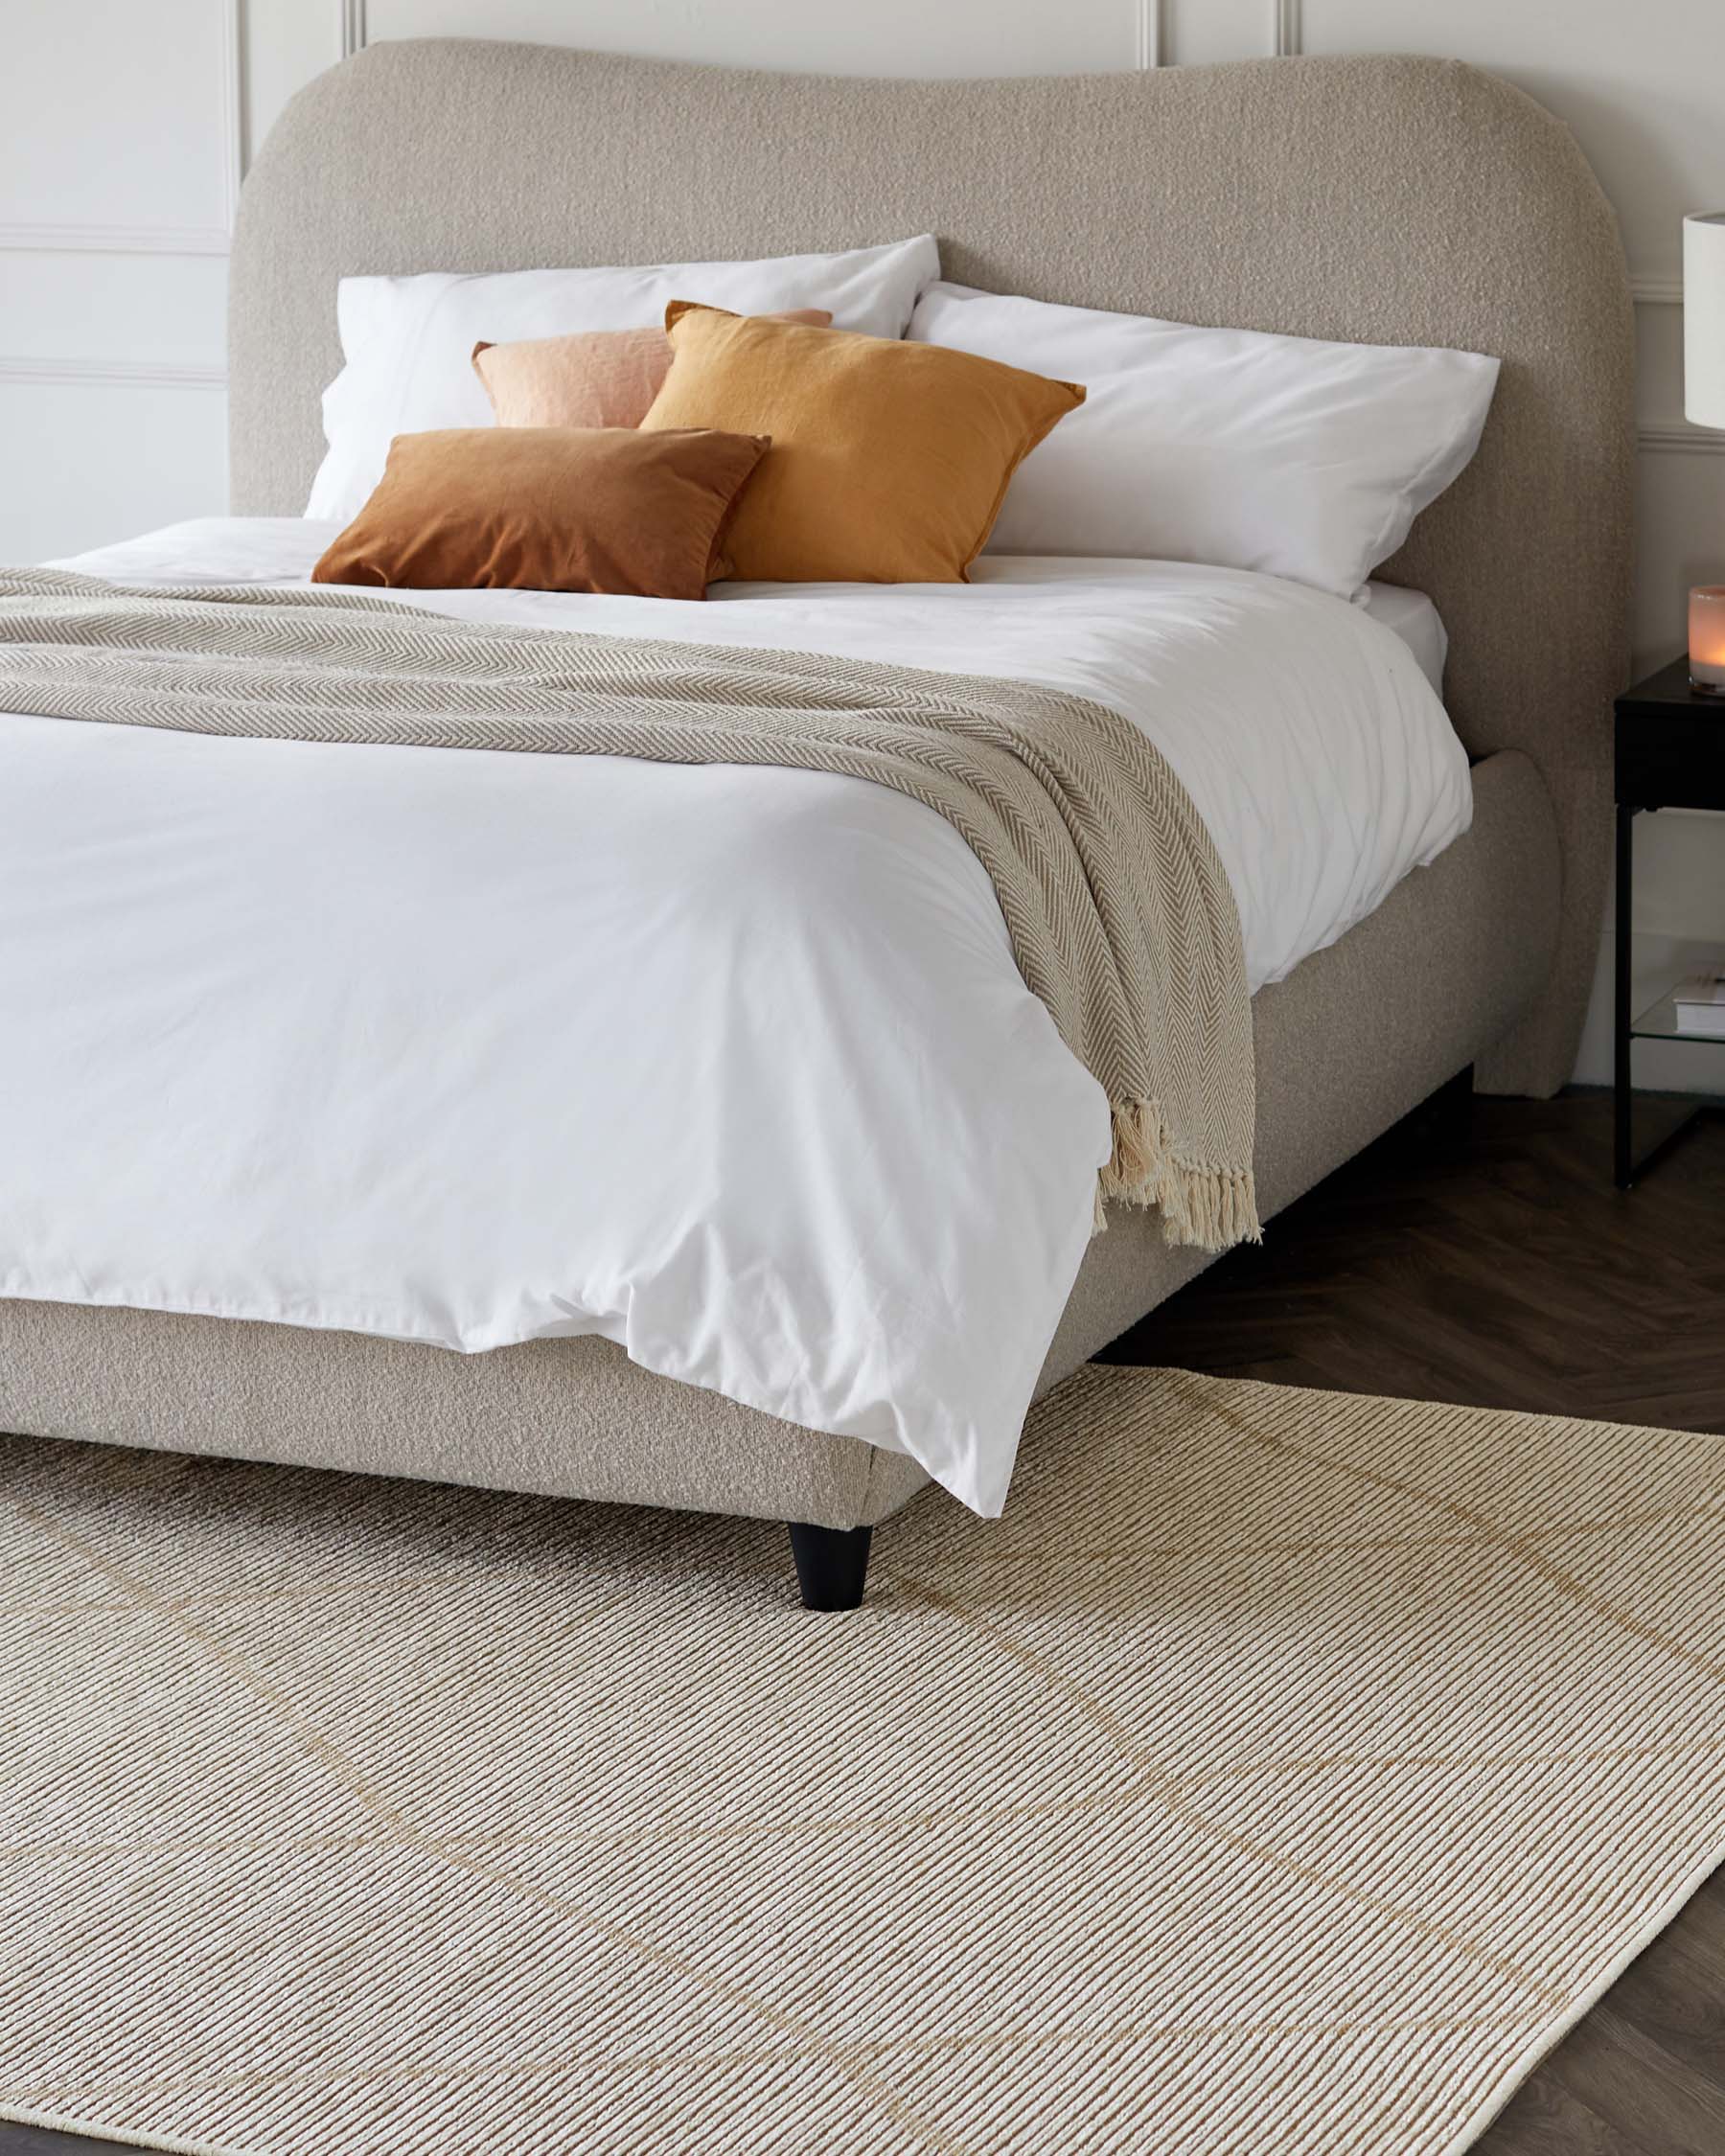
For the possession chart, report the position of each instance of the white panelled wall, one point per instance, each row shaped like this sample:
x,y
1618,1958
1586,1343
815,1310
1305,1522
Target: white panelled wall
x,y
124,129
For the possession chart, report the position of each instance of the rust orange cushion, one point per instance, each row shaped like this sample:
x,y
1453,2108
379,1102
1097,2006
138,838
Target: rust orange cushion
x,y
594,377
548,509
889,462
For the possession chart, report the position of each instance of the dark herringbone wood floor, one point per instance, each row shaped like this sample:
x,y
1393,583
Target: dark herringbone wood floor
x,y
1487,1259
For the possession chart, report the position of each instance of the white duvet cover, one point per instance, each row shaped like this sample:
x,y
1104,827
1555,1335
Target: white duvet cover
x,y
732,1065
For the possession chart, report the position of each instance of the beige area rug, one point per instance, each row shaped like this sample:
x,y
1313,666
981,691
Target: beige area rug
x,y
1285,1772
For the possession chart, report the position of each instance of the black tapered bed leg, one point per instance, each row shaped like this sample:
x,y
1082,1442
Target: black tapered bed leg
x,y
832,1564
1454,1102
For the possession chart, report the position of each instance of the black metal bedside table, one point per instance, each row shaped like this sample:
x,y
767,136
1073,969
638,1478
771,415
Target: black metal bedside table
x,y
1671,754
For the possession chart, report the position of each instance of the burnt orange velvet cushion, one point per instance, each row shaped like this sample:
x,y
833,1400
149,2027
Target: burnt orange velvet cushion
x,y
548,509
594,377
890,461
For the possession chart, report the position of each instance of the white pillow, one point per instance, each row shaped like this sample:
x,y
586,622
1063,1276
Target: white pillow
x,y
409,341
1302,459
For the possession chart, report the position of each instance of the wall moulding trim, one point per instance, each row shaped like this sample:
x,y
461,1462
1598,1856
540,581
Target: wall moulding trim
x,y
1284,29
350,17
78,238
233,111
1656,291
108,374
1677,438
112,240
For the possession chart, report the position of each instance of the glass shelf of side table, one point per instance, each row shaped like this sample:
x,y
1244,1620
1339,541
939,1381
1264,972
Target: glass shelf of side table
x,y
1659,1022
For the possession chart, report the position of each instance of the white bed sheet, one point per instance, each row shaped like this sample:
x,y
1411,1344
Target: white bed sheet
x,y
1412,616
732,1065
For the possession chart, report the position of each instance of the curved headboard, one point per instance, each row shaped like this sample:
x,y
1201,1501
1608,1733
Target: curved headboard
x,y
1387,200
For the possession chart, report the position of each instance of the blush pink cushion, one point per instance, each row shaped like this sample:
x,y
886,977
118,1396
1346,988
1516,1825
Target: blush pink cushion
x,y
595,378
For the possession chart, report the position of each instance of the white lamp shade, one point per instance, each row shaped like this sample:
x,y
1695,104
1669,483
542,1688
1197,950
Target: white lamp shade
x,y
1704,319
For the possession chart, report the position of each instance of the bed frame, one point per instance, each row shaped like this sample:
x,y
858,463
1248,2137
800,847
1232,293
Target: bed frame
x,y
1390,200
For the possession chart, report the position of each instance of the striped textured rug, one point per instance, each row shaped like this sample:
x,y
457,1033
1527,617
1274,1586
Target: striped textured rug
x,y
1285,1772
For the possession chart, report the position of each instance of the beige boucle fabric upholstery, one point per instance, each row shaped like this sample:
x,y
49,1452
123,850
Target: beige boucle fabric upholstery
x,y
1348,1042
1392,200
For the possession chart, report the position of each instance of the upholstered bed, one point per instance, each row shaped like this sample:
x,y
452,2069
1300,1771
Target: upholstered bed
x,y
1380,200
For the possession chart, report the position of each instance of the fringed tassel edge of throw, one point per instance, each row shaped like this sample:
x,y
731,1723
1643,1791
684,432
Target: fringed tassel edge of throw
x,y
1209,1207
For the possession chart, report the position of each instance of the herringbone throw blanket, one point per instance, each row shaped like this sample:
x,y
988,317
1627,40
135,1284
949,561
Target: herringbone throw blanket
x,y
1120,910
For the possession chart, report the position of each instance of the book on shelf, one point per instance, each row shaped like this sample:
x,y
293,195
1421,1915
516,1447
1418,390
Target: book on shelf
x,y
1700,1002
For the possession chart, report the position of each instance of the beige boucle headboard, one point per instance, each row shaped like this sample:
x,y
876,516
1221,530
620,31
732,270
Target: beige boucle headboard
x,y
1390,201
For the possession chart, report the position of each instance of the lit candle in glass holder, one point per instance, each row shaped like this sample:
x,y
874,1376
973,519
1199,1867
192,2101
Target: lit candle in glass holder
x,y
1707,639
